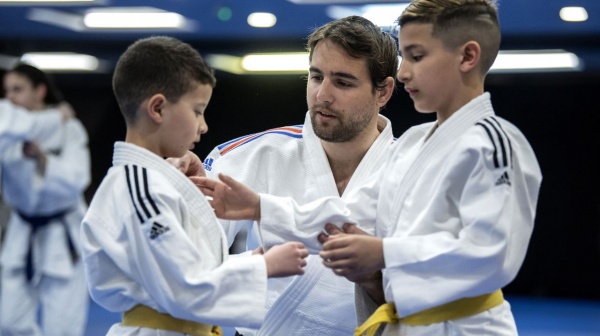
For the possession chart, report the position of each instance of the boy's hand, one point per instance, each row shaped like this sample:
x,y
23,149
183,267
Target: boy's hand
x,y
230,198
351,252
189,164
286,259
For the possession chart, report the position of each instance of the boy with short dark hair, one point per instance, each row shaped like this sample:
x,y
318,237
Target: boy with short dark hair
x,y
152,246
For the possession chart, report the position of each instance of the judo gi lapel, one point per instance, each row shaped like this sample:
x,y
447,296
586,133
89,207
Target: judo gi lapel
x,y
317,162
375,157
202,215
441,141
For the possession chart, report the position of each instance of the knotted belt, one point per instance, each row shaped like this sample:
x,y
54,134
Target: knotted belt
x,y
37,222
460,308
146,317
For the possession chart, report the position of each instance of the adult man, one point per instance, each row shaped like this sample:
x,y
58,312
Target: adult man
x,y
342,142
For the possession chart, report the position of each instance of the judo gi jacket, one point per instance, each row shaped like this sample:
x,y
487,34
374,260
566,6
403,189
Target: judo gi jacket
x,y
455,207
150,237
290,161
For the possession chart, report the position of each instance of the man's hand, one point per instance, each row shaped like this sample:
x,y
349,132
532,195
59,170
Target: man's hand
x,y
230,198
190,165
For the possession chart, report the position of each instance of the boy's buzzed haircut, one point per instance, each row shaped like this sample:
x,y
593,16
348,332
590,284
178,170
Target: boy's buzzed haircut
x,y
158,64
456,22
359,37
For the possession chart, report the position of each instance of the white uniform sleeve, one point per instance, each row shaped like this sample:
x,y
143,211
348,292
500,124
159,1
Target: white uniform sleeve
x,y
17,124
156,263
495,213
283,219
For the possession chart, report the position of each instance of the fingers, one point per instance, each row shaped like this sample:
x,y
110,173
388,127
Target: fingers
x,y
286,259
329,230
353,229
323,237
205,183
195,166
332,229
231,182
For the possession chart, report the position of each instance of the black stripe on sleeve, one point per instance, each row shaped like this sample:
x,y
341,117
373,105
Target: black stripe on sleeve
x,y
496,165
138,192
501,141
507,140
147,191
131,194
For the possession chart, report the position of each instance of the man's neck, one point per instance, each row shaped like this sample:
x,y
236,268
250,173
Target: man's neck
x,y
344,157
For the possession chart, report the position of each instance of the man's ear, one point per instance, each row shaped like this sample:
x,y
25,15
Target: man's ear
x,y
385,93
471,53
155,107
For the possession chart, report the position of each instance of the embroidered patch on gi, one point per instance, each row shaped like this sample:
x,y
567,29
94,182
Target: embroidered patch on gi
x,y
208,164
157,229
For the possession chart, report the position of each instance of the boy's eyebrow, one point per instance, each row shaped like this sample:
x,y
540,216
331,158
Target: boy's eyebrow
x,y
408,48
333,74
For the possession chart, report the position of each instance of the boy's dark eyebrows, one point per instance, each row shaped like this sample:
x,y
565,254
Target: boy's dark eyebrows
x,y
408,48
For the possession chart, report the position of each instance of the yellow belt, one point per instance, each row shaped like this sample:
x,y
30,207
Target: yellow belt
x,y
450,311
146,317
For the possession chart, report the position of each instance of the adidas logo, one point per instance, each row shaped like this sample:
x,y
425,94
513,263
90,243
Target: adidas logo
x,y
503,179
208,164
157,230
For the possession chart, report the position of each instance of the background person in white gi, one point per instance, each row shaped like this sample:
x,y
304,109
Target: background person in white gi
x,y
344,140
18,125
455,204
43,183
152,246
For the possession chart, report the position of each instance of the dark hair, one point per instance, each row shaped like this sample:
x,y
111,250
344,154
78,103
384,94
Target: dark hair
x,y
157,64
37,78
456,22
359,37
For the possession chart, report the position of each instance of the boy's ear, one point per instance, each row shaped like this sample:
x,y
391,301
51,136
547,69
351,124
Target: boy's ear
x,y
155,107
471,53
384,94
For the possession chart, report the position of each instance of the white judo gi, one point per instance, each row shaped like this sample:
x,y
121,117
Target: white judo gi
x,y
290,161
150,237
455,212
57,283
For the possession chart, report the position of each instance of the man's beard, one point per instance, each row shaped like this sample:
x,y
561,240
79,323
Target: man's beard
x,y
345,131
